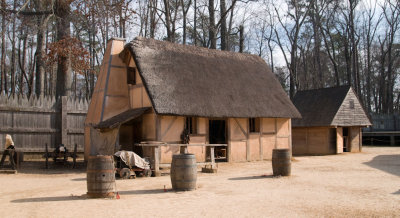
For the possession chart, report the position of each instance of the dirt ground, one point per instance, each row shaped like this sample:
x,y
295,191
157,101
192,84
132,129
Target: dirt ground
x,y
363,184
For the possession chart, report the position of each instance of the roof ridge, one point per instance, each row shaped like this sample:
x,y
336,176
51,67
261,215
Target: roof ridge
x,y
199,48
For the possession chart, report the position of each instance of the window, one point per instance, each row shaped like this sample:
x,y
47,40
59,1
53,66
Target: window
x,y
254,124
191,125
351,104
131,75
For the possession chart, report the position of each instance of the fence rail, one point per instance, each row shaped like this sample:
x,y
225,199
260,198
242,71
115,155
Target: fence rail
x,y
33,122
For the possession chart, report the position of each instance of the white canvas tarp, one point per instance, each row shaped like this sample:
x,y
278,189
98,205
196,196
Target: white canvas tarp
x,y
131,159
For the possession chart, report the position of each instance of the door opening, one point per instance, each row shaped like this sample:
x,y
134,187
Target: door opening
x,y
217,135
129,134
346,139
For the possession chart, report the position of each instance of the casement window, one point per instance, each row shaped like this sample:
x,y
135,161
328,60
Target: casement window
x,y
254,124
351,104
131,75
191,124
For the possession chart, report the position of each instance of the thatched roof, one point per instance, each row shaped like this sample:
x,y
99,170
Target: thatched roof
x,y
193,81
329,107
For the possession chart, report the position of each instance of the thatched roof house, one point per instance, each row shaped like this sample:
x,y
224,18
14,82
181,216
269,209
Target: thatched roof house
x,y
331,121
193,81
220,97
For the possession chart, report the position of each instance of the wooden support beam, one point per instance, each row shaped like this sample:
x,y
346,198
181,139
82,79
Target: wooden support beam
x,y
156,150
212,154
64,124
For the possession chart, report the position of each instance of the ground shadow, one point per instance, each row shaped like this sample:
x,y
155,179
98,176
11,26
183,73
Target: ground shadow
x,y
48,199
142,192
386,163
252,177
39,167
397,192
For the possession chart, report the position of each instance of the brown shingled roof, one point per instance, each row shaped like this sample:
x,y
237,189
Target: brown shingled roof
x,y
193,81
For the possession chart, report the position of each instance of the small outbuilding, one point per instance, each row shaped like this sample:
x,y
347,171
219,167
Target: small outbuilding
x,y
331,121
151,92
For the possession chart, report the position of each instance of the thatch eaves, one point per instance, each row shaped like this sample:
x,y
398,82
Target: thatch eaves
x,y
192,81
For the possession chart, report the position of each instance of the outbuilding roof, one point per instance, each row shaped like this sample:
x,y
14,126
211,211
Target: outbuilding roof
x,y
329,107
193,81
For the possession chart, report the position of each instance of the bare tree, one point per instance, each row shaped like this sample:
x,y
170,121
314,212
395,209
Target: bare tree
x,y
297,12
391,14
3,81
212,35
185,8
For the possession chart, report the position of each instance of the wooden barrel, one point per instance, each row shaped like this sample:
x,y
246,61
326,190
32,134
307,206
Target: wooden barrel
x,y
100,176
281,163
183,172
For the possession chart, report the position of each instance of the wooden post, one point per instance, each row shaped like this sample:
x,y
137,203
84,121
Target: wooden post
x,y
74,155
247,140
47,157
157,161
276,133
17,154
212,157
290,137
260,139
228,148
64,126
392,141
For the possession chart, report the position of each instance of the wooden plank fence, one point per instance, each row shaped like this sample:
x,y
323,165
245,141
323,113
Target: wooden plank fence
x,y
36,121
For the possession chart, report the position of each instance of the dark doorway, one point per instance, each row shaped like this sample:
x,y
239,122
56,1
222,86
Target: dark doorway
x,y
217,135
346,139
129,134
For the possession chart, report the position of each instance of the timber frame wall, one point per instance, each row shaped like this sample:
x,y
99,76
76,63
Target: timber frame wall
x,y
36,121
325,140
242,145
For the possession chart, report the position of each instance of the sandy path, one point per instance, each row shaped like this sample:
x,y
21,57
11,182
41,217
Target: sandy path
x,y
363,184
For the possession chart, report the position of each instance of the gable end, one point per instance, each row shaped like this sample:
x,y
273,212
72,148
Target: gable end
x,y
351,112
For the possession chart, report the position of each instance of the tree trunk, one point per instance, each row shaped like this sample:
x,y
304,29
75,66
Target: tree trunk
x,y
39,86
64,78
13,53
153,22
348,60
168,20
21,60
223,25
228,35
315,17
241,38
212,31
353,47
3,82
368,90
195,23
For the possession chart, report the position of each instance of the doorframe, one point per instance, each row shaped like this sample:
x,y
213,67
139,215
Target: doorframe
x,y
347,145
226,120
